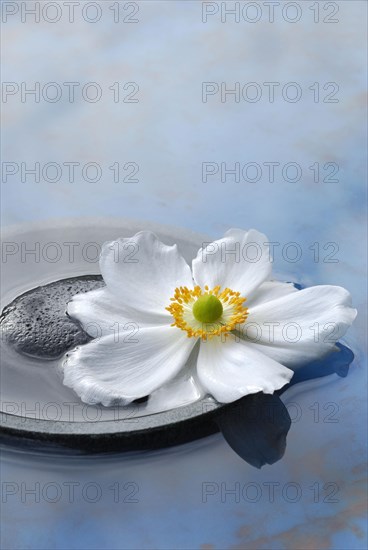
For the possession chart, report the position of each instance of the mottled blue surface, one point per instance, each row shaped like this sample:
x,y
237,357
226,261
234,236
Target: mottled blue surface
x,y
169,133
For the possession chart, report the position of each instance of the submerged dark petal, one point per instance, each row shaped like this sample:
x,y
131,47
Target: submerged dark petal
x,y
255,427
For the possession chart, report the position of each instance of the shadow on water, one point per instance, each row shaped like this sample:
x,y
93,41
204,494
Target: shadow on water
x,y
257,425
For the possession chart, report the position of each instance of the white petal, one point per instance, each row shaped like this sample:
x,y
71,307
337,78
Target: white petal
x,y
182,390
230,369
269,290
302,326
240,261
101,314
143,273
117,372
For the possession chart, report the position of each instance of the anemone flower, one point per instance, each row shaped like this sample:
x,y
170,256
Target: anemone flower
x,y
222,328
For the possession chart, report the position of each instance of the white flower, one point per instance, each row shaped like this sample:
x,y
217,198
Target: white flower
x,y
251,331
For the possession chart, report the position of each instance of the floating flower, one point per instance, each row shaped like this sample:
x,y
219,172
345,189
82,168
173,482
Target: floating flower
x,y
222,328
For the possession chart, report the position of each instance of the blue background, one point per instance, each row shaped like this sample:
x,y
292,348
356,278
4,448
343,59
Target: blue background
x,y
169,133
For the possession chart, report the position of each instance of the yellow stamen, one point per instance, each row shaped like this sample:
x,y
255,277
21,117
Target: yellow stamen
x,y
181,308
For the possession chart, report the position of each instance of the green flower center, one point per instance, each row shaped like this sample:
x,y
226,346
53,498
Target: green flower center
x,y
207,309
